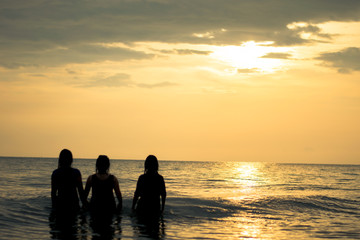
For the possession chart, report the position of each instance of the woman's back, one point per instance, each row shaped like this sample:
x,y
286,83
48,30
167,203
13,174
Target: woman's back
x,y
102,192
103,186
64,180
149,188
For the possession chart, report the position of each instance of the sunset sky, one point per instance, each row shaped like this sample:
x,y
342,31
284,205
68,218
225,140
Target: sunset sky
x,y
224,80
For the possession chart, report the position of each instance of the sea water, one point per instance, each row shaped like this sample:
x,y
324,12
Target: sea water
x,y
205,200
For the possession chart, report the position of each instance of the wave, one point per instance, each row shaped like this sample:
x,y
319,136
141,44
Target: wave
x,y
31,212
269,207
24,217
188,207
312,204
31,216
25,210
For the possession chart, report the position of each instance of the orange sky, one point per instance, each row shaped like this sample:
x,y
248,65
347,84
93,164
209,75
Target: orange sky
x,y
273,81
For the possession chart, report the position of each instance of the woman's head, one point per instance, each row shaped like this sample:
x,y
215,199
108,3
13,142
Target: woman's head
x,y
102,164
151,164
65,158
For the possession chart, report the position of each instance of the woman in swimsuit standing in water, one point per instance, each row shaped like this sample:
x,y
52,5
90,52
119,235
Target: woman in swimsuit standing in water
x,y
103,184
150,187
66,185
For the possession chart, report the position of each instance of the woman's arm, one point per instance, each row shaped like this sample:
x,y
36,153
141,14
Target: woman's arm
x,y
54,189
118,193
136,194
88,186
163,199
80,188
163,195
136,197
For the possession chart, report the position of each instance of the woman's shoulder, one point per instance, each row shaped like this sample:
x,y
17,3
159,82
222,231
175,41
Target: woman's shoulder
x,y
66,170
160,177
75,170
92,175
152,176
142,177
113,177
55,174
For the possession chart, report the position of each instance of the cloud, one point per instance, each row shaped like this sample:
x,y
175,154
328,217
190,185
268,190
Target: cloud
x,y
191,51
59,32
70,71
82,53
157,85
247,70
345,61
184,51
298,33
277,55
311,29
37,75
117,80
122,80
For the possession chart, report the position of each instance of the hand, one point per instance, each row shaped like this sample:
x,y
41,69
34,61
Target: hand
x,y
119,208
85,205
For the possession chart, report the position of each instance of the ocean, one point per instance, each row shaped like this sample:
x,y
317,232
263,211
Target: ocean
x,y
205,200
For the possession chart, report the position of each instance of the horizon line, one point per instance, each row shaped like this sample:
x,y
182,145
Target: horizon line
x,y
215,161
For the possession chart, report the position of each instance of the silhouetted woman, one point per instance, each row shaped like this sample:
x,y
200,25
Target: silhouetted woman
x,y
103,185
66,185
150,187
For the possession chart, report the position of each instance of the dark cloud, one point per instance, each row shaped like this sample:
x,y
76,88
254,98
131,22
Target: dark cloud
x,y
293,36
314,30
344,61
84,53
33,29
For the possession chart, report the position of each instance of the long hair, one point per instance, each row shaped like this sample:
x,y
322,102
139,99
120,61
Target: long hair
x,y
151,164
65,158
102,164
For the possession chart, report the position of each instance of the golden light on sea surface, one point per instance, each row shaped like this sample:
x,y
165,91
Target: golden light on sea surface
x,y
246,172
246,177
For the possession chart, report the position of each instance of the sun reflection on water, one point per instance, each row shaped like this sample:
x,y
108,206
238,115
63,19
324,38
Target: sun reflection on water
x,y
247,171
246,176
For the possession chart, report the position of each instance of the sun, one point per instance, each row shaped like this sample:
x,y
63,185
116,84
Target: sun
x,y
250,57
